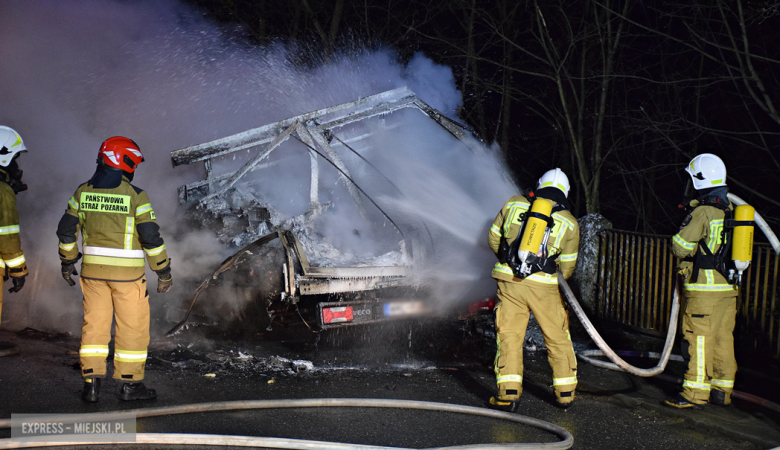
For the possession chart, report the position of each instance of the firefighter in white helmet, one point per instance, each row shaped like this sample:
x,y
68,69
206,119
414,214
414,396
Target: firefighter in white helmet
x,y
12,260
709,300
528,282
118,231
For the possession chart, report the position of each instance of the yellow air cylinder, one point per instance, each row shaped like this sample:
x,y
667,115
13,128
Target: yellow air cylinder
x,y
742,240
534,229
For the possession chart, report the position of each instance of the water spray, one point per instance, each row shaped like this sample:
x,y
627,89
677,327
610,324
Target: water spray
x,y
353,183
330,133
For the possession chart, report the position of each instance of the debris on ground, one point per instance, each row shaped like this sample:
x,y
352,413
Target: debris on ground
x,y
233,363
32,333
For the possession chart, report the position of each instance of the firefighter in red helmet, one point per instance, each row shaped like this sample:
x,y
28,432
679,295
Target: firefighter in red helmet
x,y
118,232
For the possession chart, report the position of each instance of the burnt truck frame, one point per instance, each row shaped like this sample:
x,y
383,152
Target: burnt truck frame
x,y
314,129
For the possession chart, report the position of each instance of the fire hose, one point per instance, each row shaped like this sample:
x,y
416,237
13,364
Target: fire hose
x,y
617,362
567,440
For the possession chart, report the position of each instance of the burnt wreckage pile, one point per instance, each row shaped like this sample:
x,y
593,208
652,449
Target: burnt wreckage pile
x,y
222,362
307,270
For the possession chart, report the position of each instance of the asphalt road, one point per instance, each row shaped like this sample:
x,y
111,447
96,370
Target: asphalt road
x,y
430,361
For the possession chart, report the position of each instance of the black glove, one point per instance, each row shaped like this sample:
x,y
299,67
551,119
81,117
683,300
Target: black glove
x,y
164,279
18,284
69,268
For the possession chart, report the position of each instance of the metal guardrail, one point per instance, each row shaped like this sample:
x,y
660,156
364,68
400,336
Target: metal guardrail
x,y
634,288
758,318
635,277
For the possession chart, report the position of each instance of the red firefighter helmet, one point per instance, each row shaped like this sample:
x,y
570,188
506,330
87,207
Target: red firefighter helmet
x,y
120,153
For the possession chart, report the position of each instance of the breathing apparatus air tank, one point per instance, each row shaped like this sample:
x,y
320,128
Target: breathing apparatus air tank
x,y
742,239
532,241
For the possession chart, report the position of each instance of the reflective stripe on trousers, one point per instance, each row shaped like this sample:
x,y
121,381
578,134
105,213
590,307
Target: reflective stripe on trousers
x,y
130,355
16,262
87,351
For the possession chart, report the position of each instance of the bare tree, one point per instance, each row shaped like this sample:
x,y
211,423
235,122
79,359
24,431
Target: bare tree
x,y
734,91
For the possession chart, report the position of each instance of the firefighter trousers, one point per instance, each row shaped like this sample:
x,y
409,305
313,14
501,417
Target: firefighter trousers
x,y
127,302
516,302
708,347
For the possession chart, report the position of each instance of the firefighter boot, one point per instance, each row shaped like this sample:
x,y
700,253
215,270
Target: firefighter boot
x,y
136,391
719,398
565,399
680,402
91,390
504,405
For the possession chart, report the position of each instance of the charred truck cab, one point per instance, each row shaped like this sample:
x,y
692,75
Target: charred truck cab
x,y
341,293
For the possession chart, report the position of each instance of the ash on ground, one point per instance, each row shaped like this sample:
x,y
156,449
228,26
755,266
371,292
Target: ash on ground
x,y
220,362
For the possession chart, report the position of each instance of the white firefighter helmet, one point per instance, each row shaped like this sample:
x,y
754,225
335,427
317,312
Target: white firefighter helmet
x,y
707,171
10,144
555,178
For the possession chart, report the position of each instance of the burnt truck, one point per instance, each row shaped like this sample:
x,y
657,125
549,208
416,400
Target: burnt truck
x,y
343,291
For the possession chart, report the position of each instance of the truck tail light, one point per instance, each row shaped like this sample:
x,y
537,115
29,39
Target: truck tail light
x,y
483,305
337,315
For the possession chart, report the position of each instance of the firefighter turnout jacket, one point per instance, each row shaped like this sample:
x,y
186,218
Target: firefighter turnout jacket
x,y
703,225
118,231
564,240
12,260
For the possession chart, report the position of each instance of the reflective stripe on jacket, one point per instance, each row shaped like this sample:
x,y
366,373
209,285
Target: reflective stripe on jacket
x,y
118,232
564,240
11,255
705,222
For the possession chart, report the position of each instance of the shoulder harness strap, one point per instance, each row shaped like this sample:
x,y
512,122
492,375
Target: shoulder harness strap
x,y
704,258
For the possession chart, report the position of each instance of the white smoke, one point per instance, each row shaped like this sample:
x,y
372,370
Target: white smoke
x,y
77,72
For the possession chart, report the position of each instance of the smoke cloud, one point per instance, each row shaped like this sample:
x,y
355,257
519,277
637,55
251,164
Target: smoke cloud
x,y
77,72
